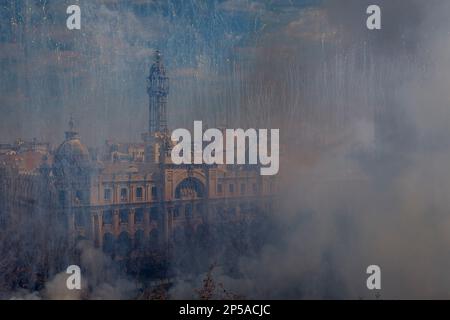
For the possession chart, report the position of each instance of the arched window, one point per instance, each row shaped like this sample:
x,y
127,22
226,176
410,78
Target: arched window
x,y
139,193
123,194
107,194
154,214
107,217
139,216
190,188
154,193
123,214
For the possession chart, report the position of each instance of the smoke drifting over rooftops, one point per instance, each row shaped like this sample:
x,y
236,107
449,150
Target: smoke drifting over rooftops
x,y
364,122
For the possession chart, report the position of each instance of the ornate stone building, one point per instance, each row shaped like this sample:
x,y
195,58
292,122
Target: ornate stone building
x,y
133,197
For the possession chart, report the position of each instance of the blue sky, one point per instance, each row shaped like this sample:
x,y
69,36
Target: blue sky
x,y
49,73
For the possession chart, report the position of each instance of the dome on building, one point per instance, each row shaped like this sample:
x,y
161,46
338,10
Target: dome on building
x,y
73,151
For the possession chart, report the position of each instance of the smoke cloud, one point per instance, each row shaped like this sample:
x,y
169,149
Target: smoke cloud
x,y
364,118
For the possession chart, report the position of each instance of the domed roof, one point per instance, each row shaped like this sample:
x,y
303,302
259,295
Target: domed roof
x,y
73,151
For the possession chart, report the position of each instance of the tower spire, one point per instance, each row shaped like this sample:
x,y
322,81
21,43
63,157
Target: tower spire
x,y
156,145
158,90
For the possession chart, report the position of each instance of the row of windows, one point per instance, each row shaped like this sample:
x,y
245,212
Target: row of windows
x,y
188,210
124,216
139,215
139,193
123,245
107,195
243,188
124,194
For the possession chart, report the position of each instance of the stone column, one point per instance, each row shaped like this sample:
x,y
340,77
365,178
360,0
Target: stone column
x,y
146,222
100,229
92,215
131,227
116,223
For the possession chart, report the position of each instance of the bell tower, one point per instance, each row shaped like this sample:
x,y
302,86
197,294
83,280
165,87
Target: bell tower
x,y
158,91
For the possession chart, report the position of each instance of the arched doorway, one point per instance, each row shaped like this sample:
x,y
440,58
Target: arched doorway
x,y
123,244
108,243
139,239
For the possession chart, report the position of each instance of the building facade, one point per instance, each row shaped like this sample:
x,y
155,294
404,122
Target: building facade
x,y
131,197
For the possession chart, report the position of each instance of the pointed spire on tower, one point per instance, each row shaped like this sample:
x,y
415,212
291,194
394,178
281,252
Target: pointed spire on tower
x,y
158,90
